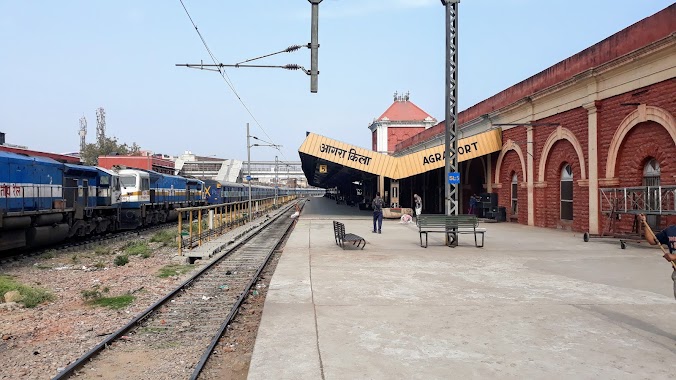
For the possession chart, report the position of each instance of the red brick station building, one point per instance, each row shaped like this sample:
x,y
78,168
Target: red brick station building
x,y
577,144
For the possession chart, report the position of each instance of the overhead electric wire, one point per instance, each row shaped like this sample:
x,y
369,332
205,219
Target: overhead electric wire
x,y
225,76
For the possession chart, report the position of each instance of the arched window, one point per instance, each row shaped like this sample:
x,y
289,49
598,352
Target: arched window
x,y
515,195
567,193
651,177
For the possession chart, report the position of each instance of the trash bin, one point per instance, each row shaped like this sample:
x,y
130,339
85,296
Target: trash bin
x,y
502,214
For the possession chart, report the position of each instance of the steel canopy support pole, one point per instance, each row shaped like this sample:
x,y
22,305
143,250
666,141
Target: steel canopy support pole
x,y
451,148
451,141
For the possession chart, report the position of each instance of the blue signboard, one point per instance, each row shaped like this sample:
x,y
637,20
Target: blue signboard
x,y
454,178
248,178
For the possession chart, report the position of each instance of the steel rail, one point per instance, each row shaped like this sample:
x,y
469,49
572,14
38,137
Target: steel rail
x,y
235,309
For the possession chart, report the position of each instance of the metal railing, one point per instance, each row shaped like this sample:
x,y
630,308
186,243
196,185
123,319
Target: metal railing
x,y
219,219
649,200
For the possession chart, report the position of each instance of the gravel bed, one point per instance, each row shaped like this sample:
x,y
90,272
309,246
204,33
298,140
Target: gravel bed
x,y
35,343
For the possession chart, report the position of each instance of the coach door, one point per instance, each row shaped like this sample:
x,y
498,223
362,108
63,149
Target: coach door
x,y
70,191
651,178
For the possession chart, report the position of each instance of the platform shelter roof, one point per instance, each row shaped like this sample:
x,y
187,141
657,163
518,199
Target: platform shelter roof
x,y
323,158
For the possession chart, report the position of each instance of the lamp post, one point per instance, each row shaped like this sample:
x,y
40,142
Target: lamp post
x,y
248,160
276,180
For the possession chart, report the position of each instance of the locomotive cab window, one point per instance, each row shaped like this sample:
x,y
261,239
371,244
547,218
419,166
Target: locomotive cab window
x,y
128,181
145,184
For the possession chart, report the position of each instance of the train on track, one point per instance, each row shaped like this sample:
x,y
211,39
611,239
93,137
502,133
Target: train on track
x,y
43,201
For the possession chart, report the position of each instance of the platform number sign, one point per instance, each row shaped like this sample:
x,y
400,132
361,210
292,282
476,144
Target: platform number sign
x,y
454,178
323,169
248,178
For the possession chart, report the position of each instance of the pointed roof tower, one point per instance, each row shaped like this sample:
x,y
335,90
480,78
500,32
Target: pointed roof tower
x,y
400,121
402,109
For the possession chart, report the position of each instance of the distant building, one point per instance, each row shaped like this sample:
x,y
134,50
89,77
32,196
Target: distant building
x,y
230,170
19,149
138,162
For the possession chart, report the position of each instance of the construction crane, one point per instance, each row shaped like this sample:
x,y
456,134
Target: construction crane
x,y
83,133
100,126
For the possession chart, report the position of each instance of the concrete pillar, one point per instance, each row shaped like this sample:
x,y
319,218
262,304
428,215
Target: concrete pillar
x,y
529,176
593,172
381,186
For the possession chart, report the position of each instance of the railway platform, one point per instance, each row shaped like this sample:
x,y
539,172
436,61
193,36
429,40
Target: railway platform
x,y
533,303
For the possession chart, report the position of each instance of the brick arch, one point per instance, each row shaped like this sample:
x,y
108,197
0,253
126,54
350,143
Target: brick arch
x,y
561,134
510,145
641,114
638,159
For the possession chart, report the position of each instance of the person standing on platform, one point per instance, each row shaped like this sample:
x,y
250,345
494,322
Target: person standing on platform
x,y
472,204
377,205
418,204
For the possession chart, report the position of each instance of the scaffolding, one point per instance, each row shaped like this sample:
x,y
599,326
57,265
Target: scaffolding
x,y
652,201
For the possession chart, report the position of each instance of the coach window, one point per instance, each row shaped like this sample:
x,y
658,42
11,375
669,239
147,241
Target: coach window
x,y
567,193
145,184
515,195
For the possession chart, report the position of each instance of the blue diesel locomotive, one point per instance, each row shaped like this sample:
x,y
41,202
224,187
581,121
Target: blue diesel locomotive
x,y
43,201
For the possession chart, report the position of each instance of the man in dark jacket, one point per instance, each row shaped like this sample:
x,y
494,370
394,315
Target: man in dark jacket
x,y
377,205
667,237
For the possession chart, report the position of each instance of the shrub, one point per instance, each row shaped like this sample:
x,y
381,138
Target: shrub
x,y
102,251
121,260
174,270
118,302
48,255
166,237
139,248
30,296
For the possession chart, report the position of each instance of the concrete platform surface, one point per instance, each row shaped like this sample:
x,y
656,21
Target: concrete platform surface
x,y
533,303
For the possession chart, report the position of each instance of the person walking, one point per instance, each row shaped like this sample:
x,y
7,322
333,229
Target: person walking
x,y
667,237
377,205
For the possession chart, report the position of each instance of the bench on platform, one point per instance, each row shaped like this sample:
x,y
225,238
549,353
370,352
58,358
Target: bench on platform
x,y
342,237
452,225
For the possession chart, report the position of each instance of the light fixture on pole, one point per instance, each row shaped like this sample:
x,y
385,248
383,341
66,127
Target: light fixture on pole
x,y
276,180
248,160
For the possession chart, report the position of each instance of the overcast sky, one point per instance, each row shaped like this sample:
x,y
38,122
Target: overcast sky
x,y
60,60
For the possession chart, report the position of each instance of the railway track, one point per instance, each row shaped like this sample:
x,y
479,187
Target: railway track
x,y
174,337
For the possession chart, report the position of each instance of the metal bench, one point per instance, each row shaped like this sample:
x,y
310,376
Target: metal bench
x,y
451,225
341,237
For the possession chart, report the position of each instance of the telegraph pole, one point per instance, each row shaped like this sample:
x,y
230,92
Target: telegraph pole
x,y
276,180
248,165
314,45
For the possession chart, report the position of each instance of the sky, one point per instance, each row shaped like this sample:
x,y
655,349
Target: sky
x,y
61,60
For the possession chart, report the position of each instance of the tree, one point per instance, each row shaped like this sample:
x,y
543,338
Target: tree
x,y
108,146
